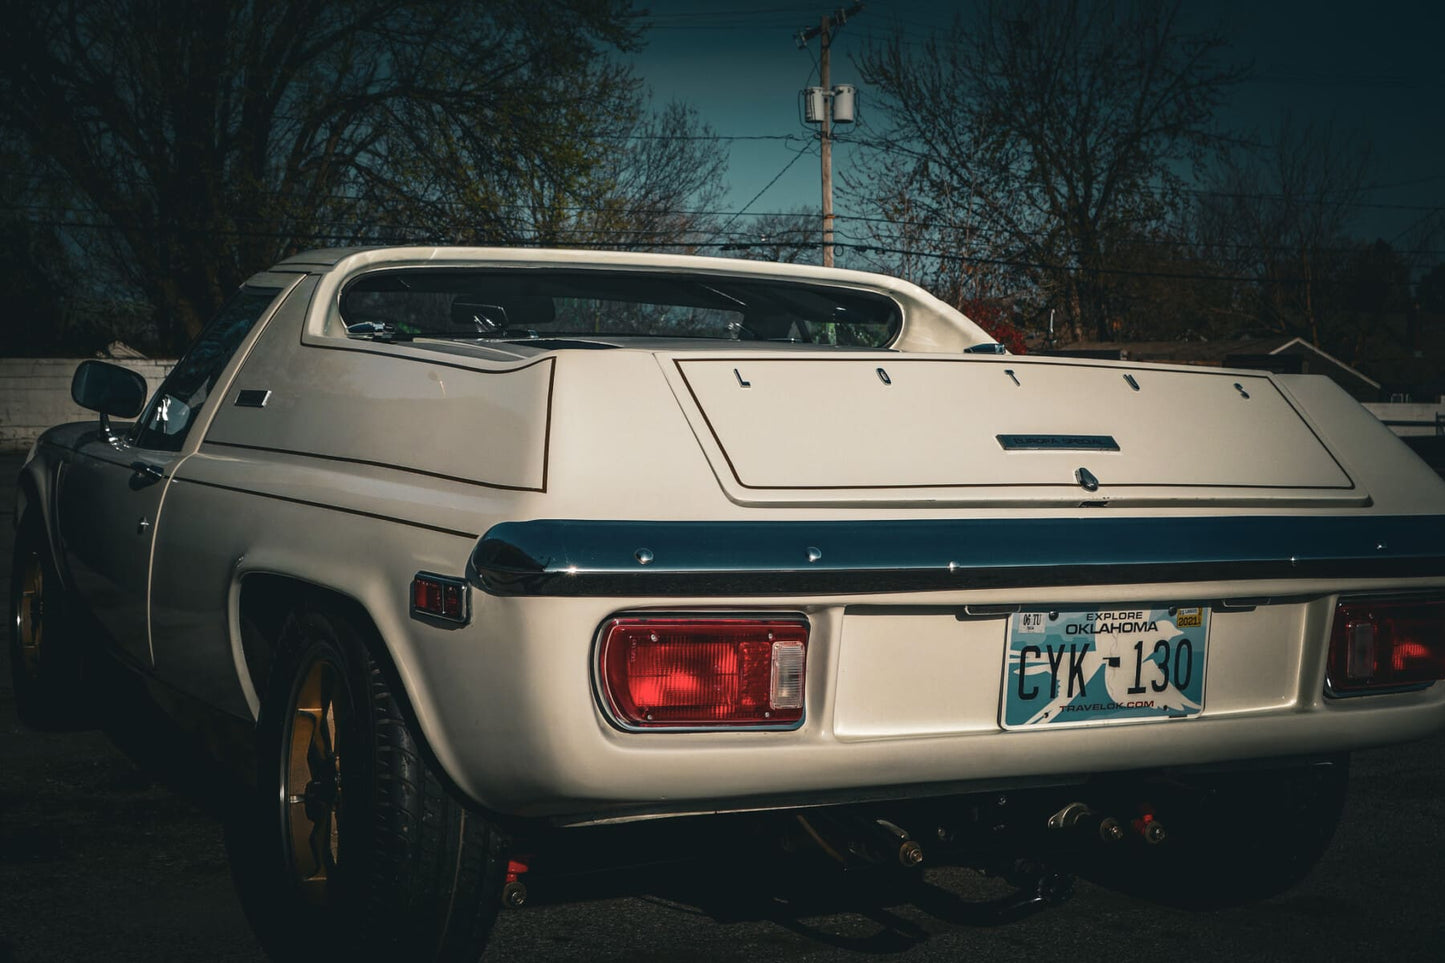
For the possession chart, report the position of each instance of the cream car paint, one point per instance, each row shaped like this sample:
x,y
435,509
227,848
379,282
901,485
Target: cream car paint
x,y
370,462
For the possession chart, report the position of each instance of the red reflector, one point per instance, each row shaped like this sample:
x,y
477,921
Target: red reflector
x,y
1385,644
704,672
439,596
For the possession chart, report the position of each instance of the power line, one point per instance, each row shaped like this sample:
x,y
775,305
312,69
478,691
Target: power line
x,y
730,17
1204,247
707,137
776,178
585,239
1074,269
1128,242
894,147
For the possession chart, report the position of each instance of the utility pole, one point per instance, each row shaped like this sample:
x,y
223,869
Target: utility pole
x,y
824,33
825,132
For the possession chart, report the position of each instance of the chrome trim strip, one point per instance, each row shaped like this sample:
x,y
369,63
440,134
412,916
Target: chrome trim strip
x,y
598,558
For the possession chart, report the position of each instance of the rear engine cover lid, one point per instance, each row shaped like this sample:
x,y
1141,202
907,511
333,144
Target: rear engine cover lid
x,y
883,424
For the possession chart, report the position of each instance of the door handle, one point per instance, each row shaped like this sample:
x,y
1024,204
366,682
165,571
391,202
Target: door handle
x,y
149,472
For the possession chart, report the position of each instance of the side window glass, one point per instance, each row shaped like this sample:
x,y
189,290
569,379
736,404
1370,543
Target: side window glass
x,y
173,410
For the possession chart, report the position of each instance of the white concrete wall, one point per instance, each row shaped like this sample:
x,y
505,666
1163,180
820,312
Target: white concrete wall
x,y
1394,411
35,394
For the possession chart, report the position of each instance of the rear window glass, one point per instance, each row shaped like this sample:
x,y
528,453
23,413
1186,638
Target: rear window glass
x,y
509,304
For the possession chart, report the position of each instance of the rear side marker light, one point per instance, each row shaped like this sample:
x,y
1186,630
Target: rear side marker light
x,y
1380,644
441,597
659,673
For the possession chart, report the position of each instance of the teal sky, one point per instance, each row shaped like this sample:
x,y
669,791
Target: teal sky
x,y
1374,70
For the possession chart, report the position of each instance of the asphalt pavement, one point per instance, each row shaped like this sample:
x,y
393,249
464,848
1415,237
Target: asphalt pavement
x,y
100,859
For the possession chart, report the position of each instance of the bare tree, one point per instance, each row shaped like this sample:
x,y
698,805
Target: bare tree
x,y
1430,291
792,237
607,173
202,140
1279,213
655,182
1041,135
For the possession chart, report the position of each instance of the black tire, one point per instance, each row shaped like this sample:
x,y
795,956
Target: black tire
x,y
47,666
1234,839
354,849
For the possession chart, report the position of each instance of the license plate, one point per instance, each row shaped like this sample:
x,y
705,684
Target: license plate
x,y
1122,663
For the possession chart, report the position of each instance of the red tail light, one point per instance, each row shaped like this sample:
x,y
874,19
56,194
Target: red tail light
x,y
1386,644
706,672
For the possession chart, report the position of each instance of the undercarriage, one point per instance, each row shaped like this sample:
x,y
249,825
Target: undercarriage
x,y
1196,838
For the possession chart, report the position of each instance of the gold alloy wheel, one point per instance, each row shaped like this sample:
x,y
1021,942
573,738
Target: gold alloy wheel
x,y
30,613
320,709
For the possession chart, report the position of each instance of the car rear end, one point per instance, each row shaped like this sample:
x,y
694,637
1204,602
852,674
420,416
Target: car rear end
x,y
781,548
1122,569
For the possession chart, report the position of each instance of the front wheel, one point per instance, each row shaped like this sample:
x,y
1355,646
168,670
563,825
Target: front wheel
x,y
46,665
361,851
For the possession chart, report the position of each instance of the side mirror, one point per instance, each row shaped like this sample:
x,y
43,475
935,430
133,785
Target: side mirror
x,y
108,389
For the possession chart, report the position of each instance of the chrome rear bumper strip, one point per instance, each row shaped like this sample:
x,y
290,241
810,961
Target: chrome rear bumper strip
x,y
637,558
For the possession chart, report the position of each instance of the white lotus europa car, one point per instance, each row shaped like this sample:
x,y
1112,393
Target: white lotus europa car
x,y
470,555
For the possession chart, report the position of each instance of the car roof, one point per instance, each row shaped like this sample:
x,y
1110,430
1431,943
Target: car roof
x,y
423,255
929,324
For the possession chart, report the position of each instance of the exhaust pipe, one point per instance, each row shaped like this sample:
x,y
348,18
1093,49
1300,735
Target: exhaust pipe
x,y
1149,829
1079,819
848,837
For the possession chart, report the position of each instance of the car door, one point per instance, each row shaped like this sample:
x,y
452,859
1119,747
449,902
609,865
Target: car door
x,y
110,494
